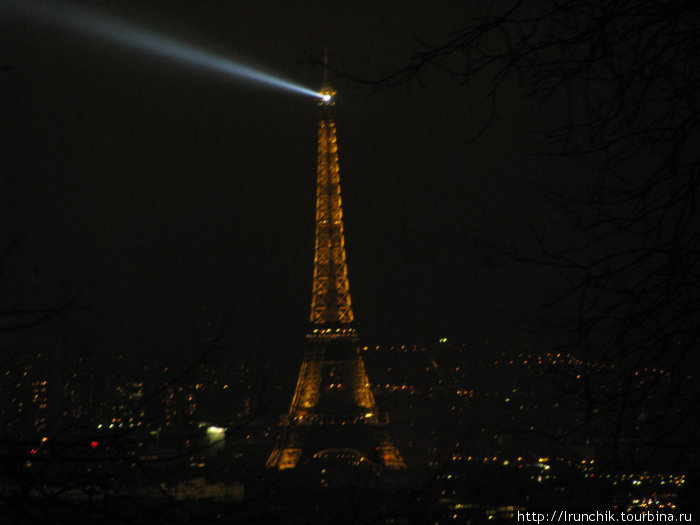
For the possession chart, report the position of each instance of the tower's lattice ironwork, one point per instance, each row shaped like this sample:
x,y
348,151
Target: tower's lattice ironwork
x,y
330,299
333,409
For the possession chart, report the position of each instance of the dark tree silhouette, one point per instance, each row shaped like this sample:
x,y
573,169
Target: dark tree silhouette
x,y
628,75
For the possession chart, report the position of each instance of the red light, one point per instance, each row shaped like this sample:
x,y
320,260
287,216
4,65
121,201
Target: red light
x,y
94,444
33,451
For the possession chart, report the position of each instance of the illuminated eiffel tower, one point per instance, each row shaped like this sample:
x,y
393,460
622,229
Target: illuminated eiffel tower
x,y
333,412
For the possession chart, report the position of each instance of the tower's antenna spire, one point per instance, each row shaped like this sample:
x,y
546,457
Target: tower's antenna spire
x,y
327,91
326,73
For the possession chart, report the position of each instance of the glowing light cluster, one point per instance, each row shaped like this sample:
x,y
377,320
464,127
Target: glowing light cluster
x,y
73,18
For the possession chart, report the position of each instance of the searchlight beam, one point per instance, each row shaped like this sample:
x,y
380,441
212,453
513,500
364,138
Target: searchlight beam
x,y
78,19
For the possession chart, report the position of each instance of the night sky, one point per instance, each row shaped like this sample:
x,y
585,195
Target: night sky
x,y
176,201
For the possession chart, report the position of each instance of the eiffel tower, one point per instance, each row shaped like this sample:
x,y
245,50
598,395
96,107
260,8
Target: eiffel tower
x,y
333,412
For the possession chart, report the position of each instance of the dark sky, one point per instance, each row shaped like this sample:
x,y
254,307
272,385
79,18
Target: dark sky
x,y
172,197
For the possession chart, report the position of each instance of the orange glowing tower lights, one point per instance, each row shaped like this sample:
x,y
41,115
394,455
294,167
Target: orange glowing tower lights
x,y
333,412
